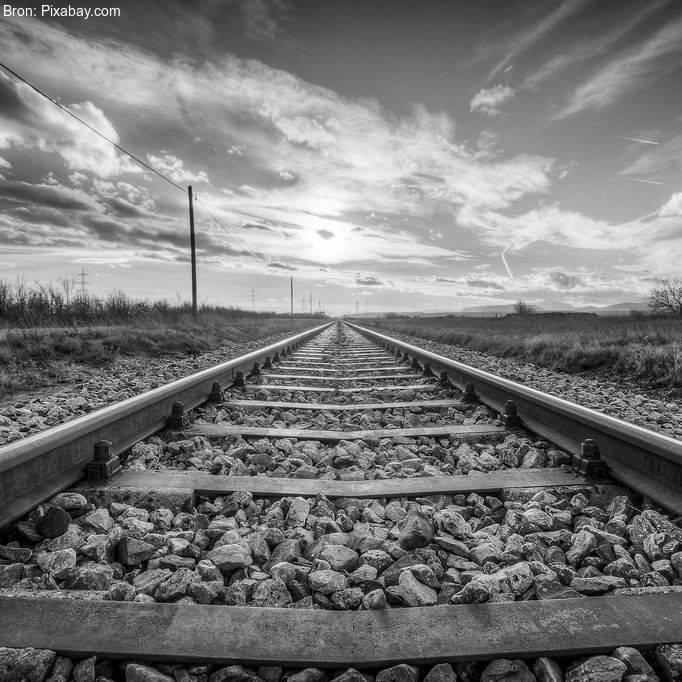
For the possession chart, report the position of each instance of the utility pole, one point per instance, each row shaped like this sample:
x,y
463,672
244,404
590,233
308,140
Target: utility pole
x,y
252,298
366,314
193,250
292,296
82,293
311,305
357,305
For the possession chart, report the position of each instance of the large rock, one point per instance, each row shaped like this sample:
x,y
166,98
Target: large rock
x,y
11,574
57,564
132,551
326,581
669,657
399,673
229,557
547,670
634,662
340,558
89,577
298,512
505,670
135,672
25,665
54,523
414,593
271,593
147,581
176,585
441,672
597,669
417,531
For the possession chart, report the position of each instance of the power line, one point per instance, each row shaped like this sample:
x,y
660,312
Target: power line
x,y
87,125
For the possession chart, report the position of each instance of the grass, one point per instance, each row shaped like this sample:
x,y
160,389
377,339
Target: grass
x,y
42,340
643,348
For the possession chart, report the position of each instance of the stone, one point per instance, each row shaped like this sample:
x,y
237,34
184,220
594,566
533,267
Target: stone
x,y
54,523
25,665
69,501
374,600
441,672
347,599
271,593
229,557
415,593
99,520
308,675
548,587
11,574
85,670
23,554
417,531
669,658
132,551
57,564
547,670
505,670
453,523
352,675
596,669
519,577
176,585
399,673
89,577
584,543
147,581
326,581
298,512
135,672
634,662
598,584
340,558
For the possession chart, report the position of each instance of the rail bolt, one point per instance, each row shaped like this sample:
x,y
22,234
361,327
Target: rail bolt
x,y
255,372
415,363
510,418
427,372
276,357
105,464
469,393
239,380
178,418
589,464
398,354
268,363
406,357
216,395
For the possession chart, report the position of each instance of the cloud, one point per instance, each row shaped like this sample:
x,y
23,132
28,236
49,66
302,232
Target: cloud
x,y
325,234
4,164
673,208
173,168
488,101
663,158
29,120
528,36
633,69
280,266
369,282
589,48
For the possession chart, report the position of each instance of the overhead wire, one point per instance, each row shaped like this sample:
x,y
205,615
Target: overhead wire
x,y
248,252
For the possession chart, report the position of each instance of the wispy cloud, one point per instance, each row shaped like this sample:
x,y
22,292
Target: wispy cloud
x,y
530,35
651,59
489,101
594,46
666,157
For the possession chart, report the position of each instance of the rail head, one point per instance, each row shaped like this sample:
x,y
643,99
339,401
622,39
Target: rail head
x,y
647,461
37,467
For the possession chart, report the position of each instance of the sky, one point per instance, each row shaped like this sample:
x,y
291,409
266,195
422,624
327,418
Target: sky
x,y
386,154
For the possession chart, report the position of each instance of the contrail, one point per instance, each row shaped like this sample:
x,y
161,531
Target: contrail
x,y
636,139
503,258
651,182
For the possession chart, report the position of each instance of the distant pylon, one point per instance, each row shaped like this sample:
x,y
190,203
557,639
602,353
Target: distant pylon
x,y
82,281
252,298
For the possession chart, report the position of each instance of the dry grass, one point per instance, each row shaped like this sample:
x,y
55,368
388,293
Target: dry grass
x,y
647,349
30,357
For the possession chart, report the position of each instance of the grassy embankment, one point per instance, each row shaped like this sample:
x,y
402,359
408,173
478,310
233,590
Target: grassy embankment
x,y
646,349
43,337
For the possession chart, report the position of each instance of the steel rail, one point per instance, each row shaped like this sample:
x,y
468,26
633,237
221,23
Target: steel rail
x,y
646,461
37,467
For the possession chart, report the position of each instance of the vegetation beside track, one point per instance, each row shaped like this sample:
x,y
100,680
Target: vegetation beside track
x,y
32,357
644,348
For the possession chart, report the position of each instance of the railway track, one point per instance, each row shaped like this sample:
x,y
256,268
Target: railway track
x,y
416,518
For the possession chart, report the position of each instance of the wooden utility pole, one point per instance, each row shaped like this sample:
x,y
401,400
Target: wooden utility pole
x,y
193,251
311,305
292,296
